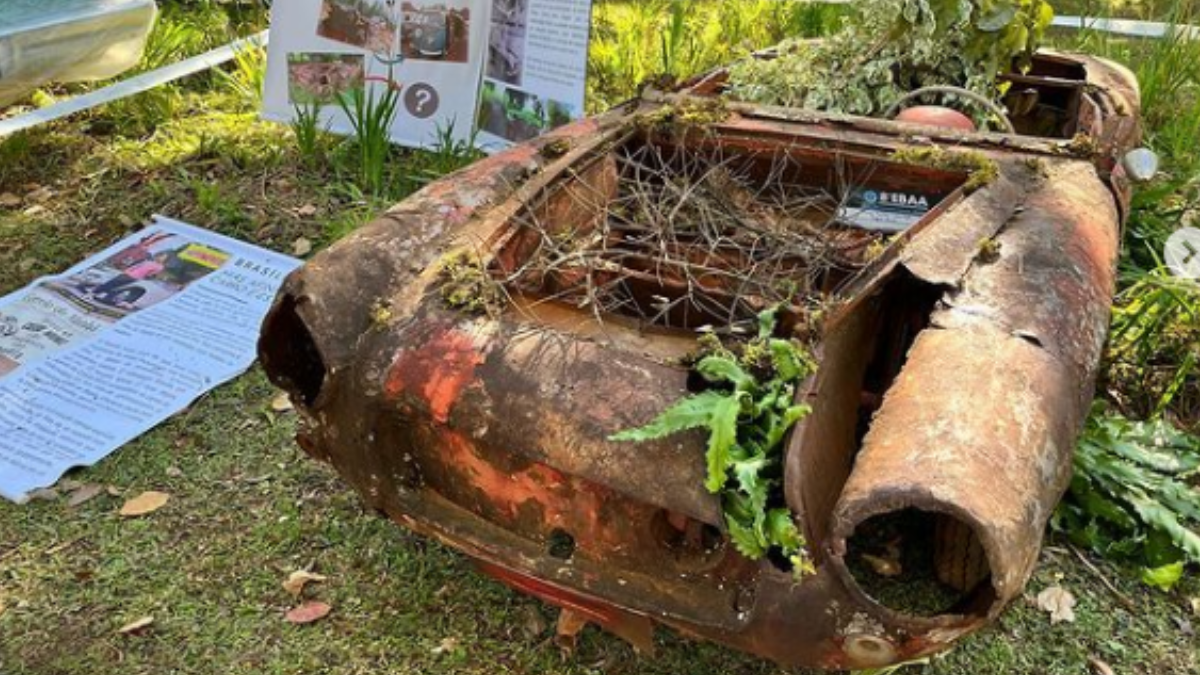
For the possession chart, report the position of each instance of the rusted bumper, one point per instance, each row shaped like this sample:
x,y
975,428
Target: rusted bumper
x,y
951,389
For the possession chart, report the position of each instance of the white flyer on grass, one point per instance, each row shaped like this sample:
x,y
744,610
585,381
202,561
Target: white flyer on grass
x,y
511,69
94,357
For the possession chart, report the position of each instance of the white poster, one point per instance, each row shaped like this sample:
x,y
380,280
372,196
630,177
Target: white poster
x,y
94,357
536,72
510,69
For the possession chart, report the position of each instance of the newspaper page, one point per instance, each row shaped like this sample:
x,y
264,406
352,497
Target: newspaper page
x,y
433,55
536,76
94,357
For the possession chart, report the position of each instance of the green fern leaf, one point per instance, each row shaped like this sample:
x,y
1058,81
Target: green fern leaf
x,y
719,369
693,412
744,539
722,426
782,531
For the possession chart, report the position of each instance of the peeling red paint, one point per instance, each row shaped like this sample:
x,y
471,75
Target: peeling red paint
x,y
438,371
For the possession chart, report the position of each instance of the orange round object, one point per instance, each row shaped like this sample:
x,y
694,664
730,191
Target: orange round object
x,y
936,116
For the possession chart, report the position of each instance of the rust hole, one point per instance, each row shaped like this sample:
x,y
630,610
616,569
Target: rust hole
x,y
919,563
560,544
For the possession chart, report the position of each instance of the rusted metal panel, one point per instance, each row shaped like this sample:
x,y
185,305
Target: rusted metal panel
x,y
965,351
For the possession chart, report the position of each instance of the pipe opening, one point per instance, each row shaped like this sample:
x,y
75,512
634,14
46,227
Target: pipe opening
x,y
290,354
920,563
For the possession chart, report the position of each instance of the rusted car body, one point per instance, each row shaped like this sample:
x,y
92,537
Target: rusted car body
x,y
956,366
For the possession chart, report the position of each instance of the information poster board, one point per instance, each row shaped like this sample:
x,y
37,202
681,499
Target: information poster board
x,y
509,70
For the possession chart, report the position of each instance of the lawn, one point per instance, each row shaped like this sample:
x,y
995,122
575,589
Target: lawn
x,y
247,508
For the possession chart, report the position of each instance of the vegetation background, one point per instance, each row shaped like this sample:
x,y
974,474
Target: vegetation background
x,y
247,508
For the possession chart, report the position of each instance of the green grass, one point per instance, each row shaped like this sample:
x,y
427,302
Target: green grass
x,y
248,508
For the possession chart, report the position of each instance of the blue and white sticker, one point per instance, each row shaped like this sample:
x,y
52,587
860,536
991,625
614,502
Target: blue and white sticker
x,y
884,210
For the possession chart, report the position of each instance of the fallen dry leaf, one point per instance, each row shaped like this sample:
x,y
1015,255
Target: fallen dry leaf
x,y
8,200
85,494
447,645
301,247
307,211
884,567
135,626
282,403
45,494
145,503
1059,602
174,472
40,195
566,632
1195,606
308,612
533,624
296,581
1100,667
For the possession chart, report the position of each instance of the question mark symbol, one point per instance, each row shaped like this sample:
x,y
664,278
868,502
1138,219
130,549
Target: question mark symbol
x,y
423,99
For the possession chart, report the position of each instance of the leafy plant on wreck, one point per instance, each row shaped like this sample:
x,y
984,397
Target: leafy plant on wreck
x,y
1132,495
888,48
748,413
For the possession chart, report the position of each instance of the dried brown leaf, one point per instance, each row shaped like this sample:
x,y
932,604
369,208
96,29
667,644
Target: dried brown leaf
x,y
884,567
301,247
447,645
308,612
296,581
145,503
307,211
44,494
1059,603
282,403
533,624
1099,667
8,200
136,626
85,494
566,632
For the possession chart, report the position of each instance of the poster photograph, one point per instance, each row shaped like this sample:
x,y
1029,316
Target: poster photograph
x,y
516,115
359,23
506,44
436,31
320,79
